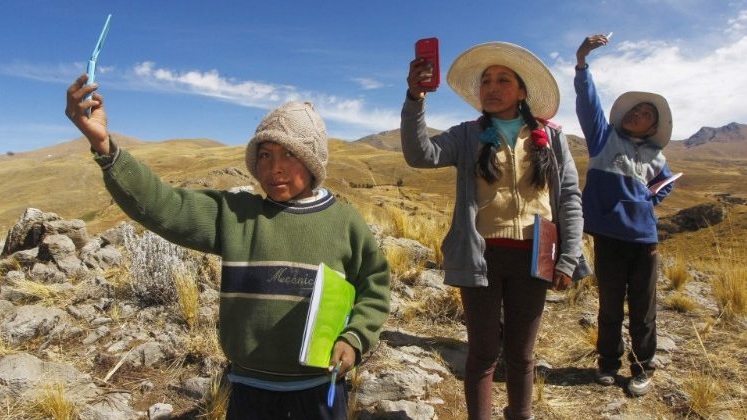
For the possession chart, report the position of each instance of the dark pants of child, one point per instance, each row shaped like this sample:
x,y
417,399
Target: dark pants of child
x,y
249,403
523,299
626,267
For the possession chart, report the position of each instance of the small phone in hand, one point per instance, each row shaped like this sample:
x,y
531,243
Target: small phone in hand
x,y
91,68
427,49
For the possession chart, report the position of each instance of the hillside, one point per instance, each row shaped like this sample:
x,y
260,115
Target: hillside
x,y
424,337
64,180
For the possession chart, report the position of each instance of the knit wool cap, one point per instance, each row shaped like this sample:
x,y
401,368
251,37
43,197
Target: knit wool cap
x,y
298,128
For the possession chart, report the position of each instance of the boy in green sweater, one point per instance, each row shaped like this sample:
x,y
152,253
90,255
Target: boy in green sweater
x,y
270,246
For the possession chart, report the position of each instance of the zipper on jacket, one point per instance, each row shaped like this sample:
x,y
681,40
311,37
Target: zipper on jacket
x,y
637,156
515,193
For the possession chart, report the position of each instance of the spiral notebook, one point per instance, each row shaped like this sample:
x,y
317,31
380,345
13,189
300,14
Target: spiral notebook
x,y
329,308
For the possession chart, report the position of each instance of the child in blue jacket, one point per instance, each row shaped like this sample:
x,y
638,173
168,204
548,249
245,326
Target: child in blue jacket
x,y
625,159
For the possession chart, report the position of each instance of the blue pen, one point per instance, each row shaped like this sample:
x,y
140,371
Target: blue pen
x,y
332,381
91,69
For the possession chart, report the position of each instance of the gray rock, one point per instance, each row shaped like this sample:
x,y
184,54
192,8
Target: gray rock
x,y
160,411
74,229
23,373
408,382
111,406
26,257
31,321
7,309
417,252
26,233
197,387
403,409
47,273
665,344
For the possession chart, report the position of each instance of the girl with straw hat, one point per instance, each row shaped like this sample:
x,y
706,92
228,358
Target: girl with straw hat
x,y
510,165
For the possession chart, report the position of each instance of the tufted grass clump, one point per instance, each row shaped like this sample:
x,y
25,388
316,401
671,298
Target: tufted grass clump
x,y
680,302
730,283
188,295
53,402
677,272
428,231
442,307
215,404
703,392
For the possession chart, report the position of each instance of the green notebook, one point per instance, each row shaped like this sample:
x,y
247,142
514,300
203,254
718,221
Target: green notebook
x,y
329,309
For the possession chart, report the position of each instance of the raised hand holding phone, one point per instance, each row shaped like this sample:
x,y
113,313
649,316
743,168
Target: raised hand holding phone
x,y
91,68
427,49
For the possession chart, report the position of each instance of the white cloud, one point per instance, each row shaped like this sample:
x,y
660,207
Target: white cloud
x,y
736,26
368,83
353,117
211,84
707,90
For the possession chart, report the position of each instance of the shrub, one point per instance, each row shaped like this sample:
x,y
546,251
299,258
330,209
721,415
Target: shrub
x,y
154,263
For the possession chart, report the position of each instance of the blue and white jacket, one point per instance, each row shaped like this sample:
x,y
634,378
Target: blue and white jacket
x,y
616,200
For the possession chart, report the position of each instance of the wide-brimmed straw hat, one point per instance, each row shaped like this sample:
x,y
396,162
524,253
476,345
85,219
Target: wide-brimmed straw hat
x,y
465,73
628,100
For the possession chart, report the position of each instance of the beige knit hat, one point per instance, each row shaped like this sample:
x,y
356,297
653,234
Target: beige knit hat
x,y
543,95
298,128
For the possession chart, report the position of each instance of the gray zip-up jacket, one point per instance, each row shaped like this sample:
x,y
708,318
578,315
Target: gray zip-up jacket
x,y
463,247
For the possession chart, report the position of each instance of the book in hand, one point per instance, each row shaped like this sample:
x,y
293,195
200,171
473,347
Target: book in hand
x,y
544,248
663,183
329,308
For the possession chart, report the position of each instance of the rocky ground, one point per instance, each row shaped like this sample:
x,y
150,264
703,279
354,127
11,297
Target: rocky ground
x,y
71,326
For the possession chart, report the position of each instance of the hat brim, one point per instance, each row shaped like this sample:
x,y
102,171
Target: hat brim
x,y
543,95
628,100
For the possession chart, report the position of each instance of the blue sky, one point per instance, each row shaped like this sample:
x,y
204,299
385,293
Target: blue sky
x,y
189,69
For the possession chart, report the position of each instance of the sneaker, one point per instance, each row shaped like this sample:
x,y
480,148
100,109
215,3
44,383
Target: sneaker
x,y
640,385
606,377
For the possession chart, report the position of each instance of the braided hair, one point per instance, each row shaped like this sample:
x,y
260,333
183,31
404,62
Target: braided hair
x,y
540,158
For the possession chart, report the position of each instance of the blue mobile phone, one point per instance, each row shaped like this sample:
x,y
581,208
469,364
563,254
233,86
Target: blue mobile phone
x,y
91,68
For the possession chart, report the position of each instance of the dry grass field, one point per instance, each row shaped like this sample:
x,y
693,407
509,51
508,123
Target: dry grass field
x,y
705,377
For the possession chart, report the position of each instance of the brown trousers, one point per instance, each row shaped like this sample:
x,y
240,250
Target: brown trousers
x,y
521,298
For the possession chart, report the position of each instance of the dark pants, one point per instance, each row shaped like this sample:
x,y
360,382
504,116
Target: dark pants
x,y
523,299
249,403
626,268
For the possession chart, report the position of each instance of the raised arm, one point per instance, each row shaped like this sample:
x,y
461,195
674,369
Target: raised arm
x,y
588,105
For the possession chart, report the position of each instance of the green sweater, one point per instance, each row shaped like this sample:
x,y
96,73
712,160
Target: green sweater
x,y
270,253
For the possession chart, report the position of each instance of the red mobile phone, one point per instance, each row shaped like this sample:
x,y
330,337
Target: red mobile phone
x,y
427,48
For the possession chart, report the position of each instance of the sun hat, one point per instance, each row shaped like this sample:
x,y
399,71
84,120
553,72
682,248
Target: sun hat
x,y
628,100
297,127
543,95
